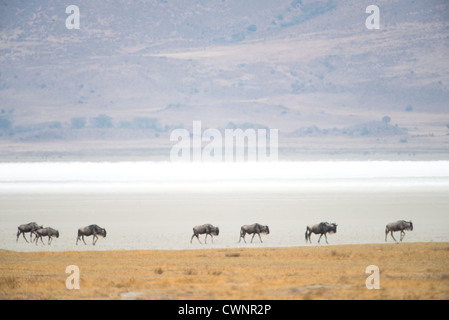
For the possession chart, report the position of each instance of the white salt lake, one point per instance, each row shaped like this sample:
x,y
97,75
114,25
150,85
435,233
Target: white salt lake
x,y
150,205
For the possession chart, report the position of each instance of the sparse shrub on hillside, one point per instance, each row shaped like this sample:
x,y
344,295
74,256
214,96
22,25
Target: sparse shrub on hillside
x,y
146,123
367,129
143,123
386,120
308,11
102,122
78,123
252,28
125,125
5,123
246,125
55,125
296,3
240,36
6,119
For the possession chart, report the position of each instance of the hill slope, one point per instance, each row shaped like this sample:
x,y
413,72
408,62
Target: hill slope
x,y
135,70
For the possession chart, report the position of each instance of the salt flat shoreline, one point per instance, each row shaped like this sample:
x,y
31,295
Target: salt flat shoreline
x,y
208,247
407,271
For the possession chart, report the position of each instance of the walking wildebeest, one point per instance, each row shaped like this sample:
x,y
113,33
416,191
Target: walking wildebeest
x,y
25,228
321,228
253,229
46,232
92,230
400,225
207,229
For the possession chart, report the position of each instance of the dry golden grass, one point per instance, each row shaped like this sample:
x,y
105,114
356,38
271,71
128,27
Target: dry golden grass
x,y
407,271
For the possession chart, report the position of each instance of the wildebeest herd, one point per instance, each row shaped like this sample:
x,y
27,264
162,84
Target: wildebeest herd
x,y
322,229
40,231
93,230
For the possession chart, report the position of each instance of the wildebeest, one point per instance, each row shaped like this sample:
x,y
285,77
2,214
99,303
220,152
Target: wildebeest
x,y
400,225
25,228
321,229
46,232
207,229
253,229
92,230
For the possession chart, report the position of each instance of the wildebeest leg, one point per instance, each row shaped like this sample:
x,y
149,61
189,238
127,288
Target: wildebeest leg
x,y
320,238
242,237
94,239
49,240
393,236
402,235
195,235
260,238
253,237
211,238
82,238
37,240
21,233
325,236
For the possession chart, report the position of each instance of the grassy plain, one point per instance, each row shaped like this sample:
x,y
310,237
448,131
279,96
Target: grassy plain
x,y
407,271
